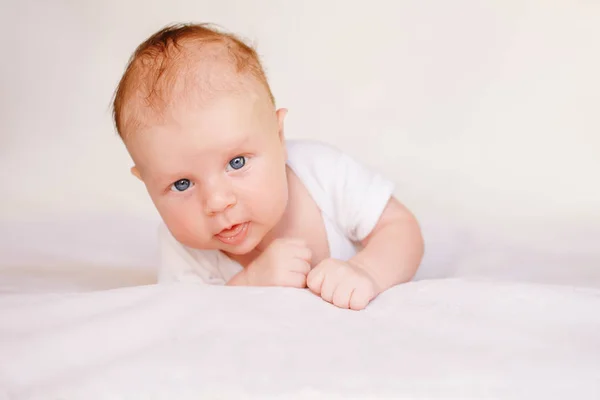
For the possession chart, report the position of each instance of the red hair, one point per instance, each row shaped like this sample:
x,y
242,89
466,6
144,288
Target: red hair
x,y
155,67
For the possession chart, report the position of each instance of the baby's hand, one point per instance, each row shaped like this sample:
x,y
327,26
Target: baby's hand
x,y
286,262
341,283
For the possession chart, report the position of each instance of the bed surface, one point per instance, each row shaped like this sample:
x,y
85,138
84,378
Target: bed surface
x,y
447,338
82,318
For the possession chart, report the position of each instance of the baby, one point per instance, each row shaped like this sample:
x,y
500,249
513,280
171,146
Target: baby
x,y
241,205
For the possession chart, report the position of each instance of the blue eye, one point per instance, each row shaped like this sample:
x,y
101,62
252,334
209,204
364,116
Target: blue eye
x,y
181,185
237,162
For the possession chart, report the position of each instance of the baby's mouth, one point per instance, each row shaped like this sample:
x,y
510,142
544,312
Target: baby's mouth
x,y
230,232
235,234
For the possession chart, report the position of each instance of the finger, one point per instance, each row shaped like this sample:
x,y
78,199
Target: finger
x,y
301,266
297,280
303,253
291,279
331,281
314,280
360,298
343,293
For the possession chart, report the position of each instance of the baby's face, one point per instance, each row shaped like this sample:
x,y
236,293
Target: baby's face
x,y
216,173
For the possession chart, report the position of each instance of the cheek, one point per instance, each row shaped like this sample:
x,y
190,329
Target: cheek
x,y
264,191
183,218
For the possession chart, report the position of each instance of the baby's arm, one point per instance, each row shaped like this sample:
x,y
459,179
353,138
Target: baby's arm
x,y
391,255
393,250
285,262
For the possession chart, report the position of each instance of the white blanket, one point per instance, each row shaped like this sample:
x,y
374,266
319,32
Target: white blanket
x,y
431,339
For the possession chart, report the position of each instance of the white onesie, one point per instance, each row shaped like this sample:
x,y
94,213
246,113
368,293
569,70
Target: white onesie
x,y
350,196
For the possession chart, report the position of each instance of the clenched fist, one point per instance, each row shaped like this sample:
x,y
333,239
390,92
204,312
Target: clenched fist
x,y
342,283
286,262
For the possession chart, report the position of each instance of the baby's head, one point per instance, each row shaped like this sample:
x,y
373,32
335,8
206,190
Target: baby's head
x,y
196,114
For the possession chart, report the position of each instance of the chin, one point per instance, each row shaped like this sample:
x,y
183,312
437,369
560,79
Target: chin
x,y
241,249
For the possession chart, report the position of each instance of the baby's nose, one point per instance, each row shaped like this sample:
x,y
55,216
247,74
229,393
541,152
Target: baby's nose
x,y
218,201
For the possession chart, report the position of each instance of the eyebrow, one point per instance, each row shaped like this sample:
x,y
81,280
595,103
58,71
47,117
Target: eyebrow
x,y
237,143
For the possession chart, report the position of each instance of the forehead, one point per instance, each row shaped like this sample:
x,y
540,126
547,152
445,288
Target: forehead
x,y
188,131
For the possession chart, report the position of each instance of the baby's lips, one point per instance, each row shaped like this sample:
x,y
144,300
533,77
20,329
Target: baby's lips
x,y
230,232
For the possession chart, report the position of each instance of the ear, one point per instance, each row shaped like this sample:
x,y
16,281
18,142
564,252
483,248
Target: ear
x,y
281,114
136,172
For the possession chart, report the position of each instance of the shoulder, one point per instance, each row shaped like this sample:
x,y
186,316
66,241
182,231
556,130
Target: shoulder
x,y
316,164
327,165
313,151
314,160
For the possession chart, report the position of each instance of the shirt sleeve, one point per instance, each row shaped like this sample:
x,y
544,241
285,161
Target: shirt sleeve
x,y
360,196
349,192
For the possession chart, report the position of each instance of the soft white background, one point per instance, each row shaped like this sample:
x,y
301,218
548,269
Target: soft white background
x,y
486,113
